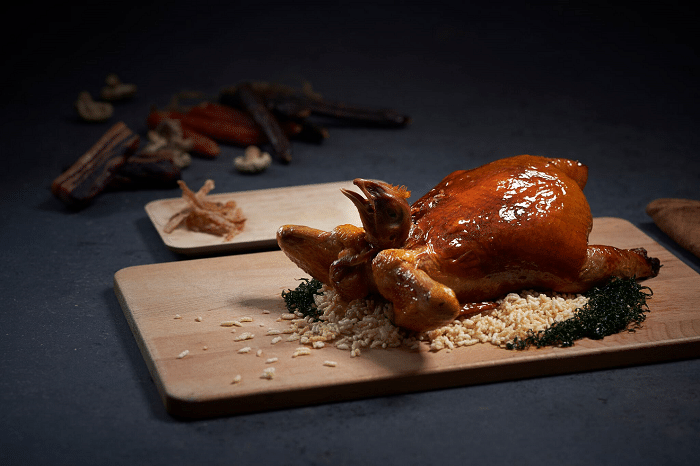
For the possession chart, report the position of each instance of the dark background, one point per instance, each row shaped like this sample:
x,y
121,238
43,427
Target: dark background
x,y
612,85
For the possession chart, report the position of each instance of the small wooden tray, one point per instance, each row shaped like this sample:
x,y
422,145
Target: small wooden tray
x,y
227,288
320,206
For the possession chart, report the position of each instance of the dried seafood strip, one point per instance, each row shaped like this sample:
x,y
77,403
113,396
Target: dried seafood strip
x,y
202,215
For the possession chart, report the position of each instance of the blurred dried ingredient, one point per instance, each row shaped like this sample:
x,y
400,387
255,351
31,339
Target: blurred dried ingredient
x,y
679,219
253,160
147,170
260,113
114,163
94,170
90,110
117,90
272,105
169,135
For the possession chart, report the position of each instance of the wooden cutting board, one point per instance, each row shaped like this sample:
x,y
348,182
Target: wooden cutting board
x,y
320,206
228,288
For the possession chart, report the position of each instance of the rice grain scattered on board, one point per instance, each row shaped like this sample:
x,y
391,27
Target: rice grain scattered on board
x,y
301,351
244,336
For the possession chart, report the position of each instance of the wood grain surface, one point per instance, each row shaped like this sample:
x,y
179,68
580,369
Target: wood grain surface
x,y
316,205
228,288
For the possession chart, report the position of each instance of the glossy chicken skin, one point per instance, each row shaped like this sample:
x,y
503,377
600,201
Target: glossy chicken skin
x,y
513,224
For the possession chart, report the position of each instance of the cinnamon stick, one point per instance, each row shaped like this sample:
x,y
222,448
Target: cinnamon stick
x,y
94,170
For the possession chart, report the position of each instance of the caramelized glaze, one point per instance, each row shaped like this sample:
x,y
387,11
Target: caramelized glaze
x,y
516,223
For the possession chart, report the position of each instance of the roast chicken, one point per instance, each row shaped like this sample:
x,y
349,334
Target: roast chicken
x,y
513,224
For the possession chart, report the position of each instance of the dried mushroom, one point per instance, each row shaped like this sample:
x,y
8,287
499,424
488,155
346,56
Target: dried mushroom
x,y
90,110
252,161
168,135
117,90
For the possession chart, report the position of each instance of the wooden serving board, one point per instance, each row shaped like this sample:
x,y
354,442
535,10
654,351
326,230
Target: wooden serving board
x,y
320,206
227,288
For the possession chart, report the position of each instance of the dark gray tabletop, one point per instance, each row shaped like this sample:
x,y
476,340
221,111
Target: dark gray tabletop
x,y
614,87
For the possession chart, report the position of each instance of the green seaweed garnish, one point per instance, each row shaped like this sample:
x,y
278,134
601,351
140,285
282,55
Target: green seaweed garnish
x,y
619,305
301,299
